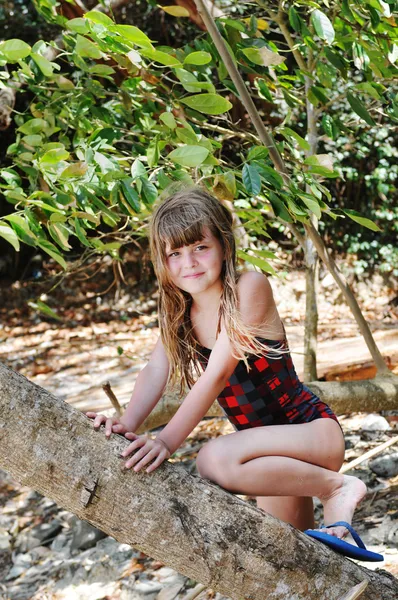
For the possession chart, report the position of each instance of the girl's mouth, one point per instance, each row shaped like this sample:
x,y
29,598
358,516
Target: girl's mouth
x,y
193,276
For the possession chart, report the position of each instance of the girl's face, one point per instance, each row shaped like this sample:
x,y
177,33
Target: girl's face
x,y
196,268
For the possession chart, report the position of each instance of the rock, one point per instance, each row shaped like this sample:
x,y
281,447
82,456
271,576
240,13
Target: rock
x,y
385,465
85,535
375,422
328,281
147,588
351,441
40,535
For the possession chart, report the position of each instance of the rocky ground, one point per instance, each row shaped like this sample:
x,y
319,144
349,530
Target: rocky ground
x,y
47,553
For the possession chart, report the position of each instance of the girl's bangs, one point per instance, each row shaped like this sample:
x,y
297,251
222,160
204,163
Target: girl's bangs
x,y
178,233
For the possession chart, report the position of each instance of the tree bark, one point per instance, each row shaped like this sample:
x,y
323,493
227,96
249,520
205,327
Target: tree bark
x,y
311,260
344,397
267,140
182,520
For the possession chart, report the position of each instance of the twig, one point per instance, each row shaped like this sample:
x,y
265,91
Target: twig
x,y
114,401
195,592
356,591
373,452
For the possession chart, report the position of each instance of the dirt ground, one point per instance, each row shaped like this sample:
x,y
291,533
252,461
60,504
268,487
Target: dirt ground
x,y
103,337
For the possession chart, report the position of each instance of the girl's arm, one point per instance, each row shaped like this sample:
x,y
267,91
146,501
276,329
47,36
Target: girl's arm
x,y
148,390
256,305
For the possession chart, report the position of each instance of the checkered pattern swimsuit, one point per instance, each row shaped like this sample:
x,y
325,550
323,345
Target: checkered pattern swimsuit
x,y
270,393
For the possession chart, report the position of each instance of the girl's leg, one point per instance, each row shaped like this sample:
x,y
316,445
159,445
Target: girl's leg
x,y
296,510
286,460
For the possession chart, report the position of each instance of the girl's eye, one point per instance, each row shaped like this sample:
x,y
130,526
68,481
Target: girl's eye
x,y
201,247
172,254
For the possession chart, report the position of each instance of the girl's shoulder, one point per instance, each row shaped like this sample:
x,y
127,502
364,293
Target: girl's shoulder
x,y
253,282
256,300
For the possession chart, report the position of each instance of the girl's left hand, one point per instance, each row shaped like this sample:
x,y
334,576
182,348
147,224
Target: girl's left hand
x,y
148,450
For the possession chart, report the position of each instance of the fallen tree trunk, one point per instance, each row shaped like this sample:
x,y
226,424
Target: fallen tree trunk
x,y
343,397
182,520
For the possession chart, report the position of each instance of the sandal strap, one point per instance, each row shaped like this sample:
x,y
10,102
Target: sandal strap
x,y
351,530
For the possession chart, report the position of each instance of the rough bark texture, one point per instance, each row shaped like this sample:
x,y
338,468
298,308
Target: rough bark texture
x,y
343,397
182,520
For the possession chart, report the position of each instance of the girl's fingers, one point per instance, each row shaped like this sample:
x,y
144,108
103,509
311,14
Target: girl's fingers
x,y
144,459
134,446
108,427
131,436
98,421
91,414
156,463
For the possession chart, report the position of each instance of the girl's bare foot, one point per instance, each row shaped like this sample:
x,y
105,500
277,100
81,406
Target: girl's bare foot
x,y
341,504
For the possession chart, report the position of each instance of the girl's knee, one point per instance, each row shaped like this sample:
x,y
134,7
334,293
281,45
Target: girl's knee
x,y
212,464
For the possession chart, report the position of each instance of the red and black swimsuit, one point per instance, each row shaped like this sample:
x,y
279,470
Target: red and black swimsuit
x,y
270,393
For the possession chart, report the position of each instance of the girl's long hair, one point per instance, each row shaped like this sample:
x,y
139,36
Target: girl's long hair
x,y
179,220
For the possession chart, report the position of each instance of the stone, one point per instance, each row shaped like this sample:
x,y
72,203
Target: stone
x,y
84,535
40,535
375,422
385,465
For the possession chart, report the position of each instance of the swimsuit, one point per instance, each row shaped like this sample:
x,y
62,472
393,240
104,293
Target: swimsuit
x,y
270,393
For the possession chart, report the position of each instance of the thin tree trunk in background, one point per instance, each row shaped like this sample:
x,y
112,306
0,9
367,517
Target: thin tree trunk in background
x,y
311,262
182,520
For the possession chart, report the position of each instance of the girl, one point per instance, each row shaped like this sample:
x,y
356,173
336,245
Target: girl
x,y
225,329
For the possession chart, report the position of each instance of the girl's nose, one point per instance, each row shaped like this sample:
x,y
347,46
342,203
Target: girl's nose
x,y
190,260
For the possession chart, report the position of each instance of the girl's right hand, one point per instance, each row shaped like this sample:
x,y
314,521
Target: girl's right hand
x,y
112,424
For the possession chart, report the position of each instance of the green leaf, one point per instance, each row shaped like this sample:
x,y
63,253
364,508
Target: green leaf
x,y
168,119
289,133
98,17
45,309
161,57
78,25
21,228
368,88
175,11
323,26
186,79
45,66
33,126
279,208
133,34
312,204
130,194
257,153
15,50
336,60
48,247
294,19
77,169
189,156
257,262
149,191
263,56
360,109
327,124
251,179
358,218
197,58
186,136
9,234
137,169
152,153
53,157
87,49
80,234
210,104
60,234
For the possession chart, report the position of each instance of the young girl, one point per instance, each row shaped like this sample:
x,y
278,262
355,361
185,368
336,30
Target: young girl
x,y
225,329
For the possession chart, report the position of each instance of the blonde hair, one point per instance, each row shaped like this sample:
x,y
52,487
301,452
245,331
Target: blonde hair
x,y
180,220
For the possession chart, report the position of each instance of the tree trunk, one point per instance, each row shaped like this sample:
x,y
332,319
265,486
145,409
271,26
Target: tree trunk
x,y
344,397
191,525
311,260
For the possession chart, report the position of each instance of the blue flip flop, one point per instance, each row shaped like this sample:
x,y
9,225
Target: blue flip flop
x,y
358,552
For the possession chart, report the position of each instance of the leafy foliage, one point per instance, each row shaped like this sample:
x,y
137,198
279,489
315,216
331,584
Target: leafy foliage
x,y
117,119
